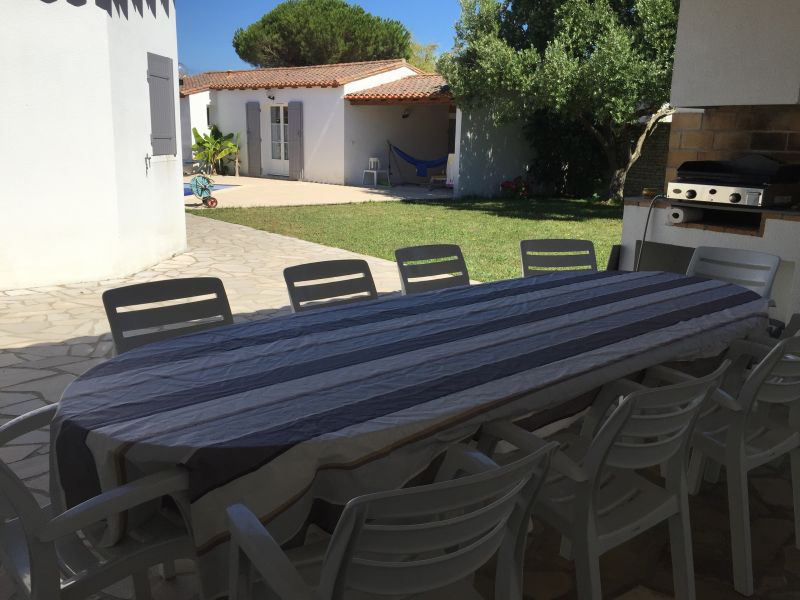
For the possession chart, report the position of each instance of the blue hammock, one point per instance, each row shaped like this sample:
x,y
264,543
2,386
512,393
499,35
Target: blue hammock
x,y
422,166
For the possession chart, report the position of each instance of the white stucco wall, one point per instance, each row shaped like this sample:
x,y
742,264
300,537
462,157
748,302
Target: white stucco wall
x,y
323,126
323,122
737,52
423,135
194,115
488,154
81,204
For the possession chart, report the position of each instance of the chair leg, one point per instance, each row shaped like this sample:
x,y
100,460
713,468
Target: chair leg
x,y
168,568
741,547
141,586
587,569
565,550
794,457
713,470
680,541
697,465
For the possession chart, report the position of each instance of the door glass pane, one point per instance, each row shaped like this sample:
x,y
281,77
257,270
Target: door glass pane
x,y
276,150
275,114
286,151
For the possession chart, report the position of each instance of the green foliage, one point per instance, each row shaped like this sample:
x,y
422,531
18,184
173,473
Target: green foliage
x,y
600,64
212,147
423,56
315,32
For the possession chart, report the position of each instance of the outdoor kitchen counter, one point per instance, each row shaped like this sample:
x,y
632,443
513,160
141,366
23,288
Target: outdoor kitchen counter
x,y
772,230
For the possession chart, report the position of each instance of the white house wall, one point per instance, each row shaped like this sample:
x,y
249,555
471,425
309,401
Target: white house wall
x,y
423,135
81,204
488,154
323,126
325,141
737,52
194,115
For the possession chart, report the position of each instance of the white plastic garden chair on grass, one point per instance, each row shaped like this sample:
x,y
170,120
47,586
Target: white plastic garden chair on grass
x,y
758,422
406,542
44,554
595,497
754,270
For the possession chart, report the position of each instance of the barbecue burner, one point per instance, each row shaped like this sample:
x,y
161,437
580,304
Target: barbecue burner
x,y
748,181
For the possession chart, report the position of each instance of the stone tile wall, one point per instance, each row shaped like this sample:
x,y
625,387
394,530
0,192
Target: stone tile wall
x,y
727,132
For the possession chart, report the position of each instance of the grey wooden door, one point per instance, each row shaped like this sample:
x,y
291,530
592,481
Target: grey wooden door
x,y
253,111
296,165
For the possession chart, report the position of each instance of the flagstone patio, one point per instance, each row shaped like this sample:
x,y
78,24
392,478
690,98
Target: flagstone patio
x,y
49,336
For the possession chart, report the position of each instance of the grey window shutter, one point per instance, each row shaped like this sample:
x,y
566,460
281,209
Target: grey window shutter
x,y
162,105
296,166
253,121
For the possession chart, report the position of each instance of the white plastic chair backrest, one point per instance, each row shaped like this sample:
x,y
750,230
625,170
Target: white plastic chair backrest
x,y
776,378
328,283
545,256
374,164
651,426
416,540
431,267
754,270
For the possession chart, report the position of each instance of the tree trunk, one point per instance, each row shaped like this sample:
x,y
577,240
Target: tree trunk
x,y
616,187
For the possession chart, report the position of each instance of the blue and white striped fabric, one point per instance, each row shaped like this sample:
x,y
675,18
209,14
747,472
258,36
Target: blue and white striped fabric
x,y
335,403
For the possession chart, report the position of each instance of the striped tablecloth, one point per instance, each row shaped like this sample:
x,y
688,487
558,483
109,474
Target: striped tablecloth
x,y
339,402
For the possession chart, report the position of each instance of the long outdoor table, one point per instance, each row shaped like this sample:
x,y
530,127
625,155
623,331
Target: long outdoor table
x,y
339,402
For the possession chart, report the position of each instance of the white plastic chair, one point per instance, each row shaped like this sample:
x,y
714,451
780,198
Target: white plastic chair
x,y
544,256
757,423
595,497
754,270
431,267
409,541
42,552
374,169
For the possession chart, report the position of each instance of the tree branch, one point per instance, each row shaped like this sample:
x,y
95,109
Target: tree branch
x,y
652,123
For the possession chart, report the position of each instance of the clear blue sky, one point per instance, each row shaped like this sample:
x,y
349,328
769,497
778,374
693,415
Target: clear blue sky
x,y
205,27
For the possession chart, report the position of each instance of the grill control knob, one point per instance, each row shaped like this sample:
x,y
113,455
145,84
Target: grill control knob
x,y
735,198
691,194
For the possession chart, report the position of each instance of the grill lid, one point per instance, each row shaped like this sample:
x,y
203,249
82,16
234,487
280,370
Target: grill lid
x,y
750,170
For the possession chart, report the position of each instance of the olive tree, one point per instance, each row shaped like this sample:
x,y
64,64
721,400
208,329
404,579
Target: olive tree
x,y
605,65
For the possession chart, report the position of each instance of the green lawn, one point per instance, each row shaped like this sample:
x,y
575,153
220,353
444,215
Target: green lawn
x,y
488,231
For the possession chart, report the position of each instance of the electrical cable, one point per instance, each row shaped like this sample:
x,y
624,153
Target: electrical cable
x,y
646,225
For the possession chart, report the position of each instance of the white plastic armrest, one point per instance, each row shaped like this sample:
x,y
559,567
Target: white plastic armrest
x,y
754,349
36,419
515,435
469,460
669,375
792,327
568,467
524,440
266,555
115,501
725,400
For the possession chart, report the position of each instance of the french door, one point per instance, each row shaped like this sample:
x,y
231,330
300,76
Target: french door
x,y
278,162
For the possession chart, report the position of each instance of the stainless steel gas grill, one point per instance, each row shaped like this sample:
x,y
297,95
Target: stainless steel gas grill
x,y
753,180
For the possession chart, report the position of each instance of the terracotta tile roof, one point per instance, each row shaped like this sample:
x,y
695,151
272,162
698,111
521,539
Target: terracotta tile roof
x,y
289,77
415,87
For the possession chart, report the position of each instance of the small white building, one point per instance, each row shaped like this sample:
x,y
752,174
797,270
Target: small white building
x,y
322,123
92,171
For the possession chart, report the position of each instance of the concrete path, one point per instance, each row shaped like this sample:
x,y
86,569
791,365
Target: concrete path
x,y
255,191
